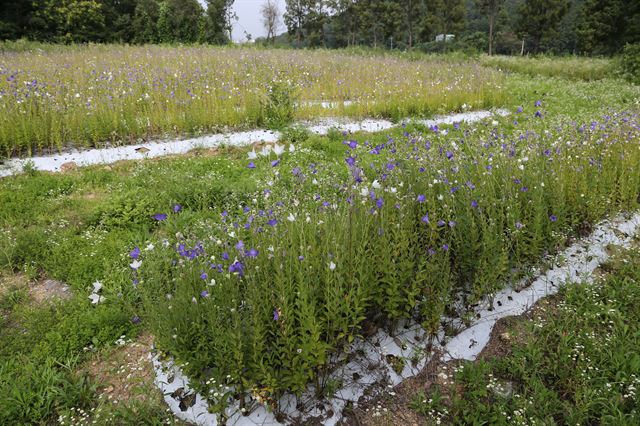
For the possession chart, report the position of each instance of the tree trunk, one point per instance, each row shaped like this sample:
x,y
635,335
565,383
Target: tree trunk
x,y
491,18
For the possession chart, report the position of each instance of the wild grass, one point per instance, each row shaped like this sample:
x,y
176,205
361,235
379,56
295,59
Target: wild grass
x,y
91,95
571,67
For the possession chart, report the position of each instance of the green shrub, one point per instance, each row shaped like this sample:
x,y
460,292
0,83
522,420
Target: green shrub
x,y
278,106
630,63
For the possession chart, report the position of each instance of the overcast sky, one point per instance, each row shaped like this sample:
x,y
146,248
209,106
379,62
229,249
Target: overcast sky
x,y
249,18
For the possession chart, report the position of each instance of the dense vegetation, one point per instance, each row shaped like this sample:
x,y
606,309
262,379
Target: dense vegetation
x,y
501,26
462,208
592,328
87,96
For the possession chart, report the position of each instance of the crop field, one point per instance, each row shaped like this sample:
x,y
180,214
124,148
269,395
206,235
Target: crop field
x,y
59,97
257,268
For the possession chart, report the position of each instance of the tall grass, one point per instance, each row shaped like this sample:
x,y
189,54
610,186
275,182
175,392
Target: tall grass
x,y
571,67
86,95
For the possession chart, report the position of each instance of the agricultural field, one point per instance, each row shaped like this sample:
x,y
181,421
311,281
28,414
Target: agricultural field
x,y
258,269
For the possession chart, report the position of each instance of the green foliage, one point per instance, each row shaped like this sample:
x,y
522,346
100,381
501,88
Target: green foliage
x,y
278,106
34,392
591,328
538,20
630,63
295,134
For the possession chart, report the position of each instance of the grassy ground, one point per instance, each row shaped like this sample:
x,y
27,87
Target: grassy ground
x,y
78,227
572,68
572,359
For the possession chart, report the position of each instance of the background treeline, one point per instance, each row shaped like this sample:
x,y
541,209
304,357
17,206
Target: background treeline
x,y
125,21
600,27
554,26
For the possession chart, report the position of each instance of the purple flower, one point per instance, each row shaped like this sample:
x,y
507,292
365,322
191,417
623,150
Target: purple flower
x,y
449,155
274,163
177,208
225,256
239,245
553,218
445,247
538,114
379,203
276,314
136,319
425,218
470,185
252,253
204,276
519,110
237,267
524,189
538,103
474,204
519,225
272,222
296,171
452,223
160,217
421,198
204,293
251,165
301,258
350,161
441,223
135,253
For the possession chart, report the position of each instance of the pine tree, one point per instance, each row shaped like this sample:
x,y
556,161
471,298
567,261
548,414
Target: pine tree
x,y
491,9
538,20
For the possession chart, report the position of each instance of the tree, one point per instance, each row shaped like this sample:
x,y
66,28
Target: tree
x,y
270,19
70,20
220,14
14,18
539,19
606,26
443,17
412,11
118,17
305,19
179,21
145,19
490,8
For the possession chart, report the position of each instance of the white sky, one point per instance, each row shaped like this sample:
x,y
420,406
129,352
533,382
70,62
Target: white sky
x,y
249,18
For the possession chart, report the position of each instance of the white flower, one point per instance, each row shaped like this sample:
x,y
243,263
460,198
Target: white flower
x,y
252,154
278,150
150,247
292,148
375,184
494,123
97,286
364,191
136,264
96,298
291,217
265,150
315,181
332,265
